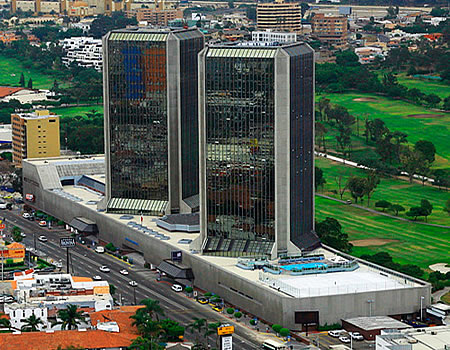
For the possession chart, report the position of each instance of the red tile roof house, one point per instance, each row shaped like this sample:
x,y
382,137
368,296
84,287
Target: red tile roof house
x,y
94,338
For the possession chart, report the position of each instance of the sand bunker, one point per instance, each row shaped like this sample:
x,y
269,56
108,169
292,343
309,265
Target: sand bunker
x,y
365,99
371,242
425,115
442,267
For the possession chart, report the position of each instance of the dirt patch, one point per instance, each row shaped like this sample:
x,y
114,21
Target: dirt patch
x,y
425,115
371,242
365,99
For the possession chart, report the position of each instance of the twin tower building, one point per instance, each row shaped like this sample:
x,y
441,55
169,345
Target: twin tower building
x,y
225,130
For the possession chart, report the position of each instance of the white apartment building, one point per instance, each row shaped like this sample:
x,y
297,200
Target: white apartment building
x,y
85,51
270,36
39,294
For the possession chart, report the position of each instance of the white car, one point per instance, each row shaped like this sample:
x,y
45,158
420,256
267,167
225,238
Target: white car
x,y
335,333
22,234
104,268
356,335
97,278
344,339
124,272
177,288
43,239
133,284
42,223
26,215
99,249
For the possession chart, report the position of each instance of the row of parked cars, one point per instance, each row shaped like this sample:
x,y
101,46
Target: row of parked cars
x,y
344,336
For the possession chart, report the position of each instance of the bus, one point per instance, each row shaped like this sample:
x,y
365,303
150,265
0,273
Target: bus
x,y
270,344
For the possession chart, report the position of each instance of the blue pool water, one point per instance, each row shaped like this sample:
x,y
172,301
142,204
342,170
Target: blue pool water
x,y
302,266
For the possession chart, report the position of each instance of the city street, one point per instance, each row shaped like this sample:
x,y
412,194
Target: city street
x,y
86,262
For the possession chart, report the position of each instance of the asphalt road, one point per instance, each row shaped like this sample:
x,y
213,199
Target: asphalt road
x,y
85,262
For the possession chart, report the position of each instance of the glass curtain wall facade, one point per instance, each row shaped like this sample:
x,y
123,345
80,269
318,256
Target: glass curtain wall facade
x,y
151,93
240,184
138,118
257,163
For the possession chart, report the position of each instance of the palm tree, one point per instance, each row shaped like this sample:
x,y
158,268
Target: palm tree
x,y
151,330
152,307
4,322
70,317
198,325
31,324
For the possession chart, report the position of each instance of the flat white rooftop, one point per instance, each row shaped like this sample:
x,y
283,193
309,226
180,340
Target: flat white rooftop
x,y
361,280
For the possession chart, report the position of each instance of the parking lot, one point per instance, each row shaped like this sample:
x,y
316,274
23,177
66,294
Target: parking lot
x,y
324,341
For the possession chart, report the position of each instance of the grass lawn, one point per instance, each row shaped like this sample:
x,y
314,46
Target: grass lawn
x,y
446,298
424,85
395,113
10,66
392,190
410,243
74,111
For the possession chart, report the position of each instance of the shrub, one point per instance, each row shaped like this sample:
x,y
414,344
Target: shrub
x,y
147,265
111,247
188,289
230,311
208,294
329,327
277,328
60,223
383,204
238,314
253,322
284,332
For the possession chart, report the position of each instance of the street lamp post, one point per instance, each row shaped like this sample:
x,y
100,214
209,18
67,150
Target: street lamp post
x,y
370,301
421,308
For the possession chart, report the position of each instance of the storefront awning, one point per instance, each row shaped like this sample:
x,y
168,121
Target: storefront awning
x,y
176,271
84,225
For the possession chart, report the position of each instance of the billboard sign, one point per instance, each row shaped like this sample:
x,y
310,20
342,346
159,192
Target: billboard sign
x,y
225,330
67,242
177,255
227,342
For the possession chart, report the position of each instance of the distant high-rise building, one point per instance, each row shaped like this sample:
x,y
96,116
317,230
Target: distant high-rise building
x,y
330,29
256,150
34,135
151,120
279,15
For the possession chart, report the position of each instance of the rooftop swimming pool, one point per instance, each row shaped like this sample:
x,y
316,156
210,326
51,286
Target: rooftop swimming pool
x,y
303,266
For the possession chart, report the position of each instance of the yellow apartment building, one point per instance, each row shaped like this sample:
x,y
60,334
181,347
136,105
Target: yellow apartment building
x,y
35,135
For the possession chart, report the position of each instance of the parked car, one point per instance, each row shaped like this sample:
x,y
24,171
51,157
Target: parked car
x,y
3,206
97,278
99,249
344,339
42,223
356,335
42,239
104,268
124,272
177,288
335,333
203,300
